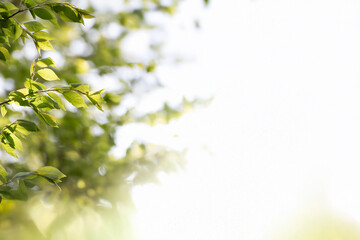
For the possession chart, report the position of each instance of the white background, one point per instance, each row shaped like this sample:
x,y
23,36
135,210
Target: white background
x,y
282,134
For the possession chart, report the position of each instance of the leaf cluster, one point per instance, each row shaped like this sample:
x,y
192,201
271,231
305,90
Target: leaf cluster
x,y
39,94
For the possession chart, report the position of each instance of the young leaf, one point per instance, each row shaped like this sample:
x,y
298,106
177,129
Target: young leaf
x,y
32,85
75,99
10,150
48,74
44,45
96,100
3,110
80,87
46,62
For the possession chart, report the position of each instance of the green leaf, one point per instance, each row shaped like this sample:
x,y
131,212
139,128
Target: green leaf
x,y
57,99
10,7
67,13
21,192
48,74
4,40
8,32
46,62
49,119
42,35
28,125
50,172
46,14
34,26
32,67
3,174
44,45
17,142
29,4
10,150
75,99
3,110
35,86
18,97
23,175
96,100
85,14
80,87
4,54
17,32
47,100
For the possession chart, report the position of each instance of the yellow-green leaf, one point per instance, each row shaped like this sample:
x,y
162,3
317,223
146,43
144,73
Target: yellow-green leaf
x,y
3,110
3,174
4,54
48,74
75,99
49,119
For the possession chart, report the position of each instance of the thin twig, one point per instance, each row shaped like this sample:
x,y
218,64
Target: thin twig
x,y
31,8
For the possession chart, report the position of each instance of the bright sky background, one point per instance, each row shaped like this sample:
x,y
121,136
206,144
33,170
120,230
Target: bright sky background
x,y
283,132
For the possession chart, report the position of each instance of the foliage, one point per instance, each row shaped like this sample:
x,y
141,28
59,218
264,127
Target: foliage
x,y
95,201
35,95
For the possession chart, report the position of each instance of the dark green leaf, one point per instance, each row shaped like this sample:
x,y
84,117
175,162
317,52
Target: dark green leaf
x,y
45,13
28,125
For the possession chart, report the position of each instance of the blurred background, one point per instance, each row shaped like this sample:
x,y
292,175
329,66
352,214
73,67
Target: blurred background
x,y
236,119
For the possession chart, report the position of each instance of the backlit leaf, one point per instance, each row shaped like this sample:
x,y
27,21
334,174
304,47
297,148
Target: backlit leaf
x,y
48,74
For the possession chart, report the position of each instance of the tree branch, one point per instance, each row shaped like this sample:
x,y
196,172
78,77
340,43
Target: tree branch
x,y
31,8
5,102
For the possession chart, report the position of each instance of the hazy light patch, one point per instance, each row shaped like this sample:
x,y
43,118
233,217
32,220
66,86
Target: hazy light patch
x,y
57,57
112,30
104,6
136,47
283,125
155,100
79,47
104,82
30,50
